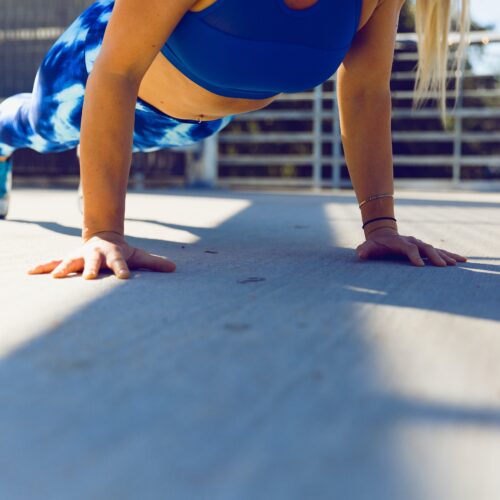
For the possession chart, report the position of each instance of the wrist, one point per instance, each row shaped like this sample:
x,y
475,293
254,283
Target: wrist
x,y
381,228
105,223
382,207
87,234
375,209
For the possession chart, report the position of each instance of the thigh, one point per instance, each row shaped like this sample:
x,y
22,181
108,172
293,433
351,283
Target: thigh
x,y
60,87
58,91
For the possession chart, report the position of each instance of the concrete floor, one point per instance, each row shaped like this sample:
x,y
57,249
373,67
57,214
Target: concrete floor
x,y
273,364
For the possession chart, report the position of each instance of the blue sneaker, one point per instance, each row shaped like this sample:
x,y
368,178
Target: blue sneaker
x,y
5,186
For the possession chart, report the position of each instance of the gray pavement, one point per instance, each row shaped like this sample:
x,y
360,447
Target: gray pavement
x,y
273,364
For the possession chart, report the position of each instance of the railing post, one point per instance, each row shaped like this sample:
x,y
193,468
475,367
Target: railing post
x,y
336,140
317,133
458,129
138,177
457,148
211,160
203,172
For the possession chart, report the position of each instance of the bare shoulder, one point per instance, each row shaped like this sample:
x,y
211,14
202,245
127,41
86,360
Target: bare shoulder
x,y
370,6
136,31
368,63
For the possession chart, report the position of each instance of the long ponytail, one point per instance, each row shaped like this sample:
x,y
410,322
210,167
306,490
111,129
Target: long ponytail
x,y
432,22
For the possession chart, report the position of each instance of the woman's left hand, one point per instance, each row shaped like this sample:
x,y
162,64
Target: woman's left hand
x,y
387,241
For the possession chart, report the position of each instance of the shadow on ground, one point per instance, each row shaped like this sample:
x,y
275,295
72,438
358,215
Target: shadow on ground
x,y
256,370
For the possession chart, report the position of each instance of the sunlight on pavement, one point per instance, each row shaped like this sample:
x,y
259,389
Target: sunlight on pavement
x,y
364,290
487,271
190,211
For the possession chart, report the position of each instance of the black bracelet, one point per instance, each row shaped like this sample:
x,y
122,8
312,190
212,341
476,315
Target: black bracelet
x,y
377,218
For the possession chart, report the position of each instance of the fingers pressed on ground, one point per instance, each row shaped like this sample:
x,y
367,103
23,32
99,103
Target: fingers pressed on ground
x,y
432,254
92,264
449,260
455,256
67,266
46,267
146,260
413,254
118,265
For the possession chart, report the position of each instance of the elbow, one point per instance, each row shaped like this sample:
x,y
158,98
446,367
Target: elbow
x,y
353,85
103,69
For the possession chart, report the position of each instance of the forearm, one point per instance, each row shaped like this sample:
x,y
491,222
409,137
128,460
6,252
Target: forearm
x,y
365,121
106,150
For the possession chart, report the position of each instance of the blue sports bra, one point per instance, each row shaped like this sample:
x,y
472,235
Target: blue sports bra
x,y
259,48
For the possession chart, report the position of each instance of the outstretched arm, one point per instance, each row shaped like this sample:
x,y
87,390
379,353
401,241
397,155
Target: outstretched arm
x,y
364,99
135,34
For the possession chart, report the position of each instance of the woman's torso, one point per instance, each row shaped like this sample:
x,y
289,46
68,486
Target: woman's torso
x,y
168,89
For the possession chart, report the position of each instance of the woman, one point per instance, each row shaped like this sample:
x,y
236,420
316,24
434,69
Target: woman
x,y
112,84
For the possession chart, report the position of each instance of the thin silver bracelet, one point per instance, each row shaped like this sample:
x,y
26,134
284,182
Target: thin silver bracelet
x,y
375,197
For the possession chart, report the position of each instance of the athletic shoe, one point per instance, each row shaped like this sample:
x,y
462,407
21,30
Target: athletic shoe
x,y
5,186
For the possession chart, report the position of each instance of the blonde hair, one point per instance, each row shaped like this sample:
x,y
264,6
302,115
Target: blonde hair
x,y
432,22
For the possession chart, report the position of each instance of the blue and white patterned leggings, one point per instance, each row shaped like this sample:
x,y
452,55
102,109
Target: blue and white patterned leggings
x,y
48,119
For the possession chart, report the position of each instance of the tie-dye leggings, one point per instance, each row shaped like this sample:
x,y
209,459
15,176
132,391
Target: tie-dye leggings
x,y
48,119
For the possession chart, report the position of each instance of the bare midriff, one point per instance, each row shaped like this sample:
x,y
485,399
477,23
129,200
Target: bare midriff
x,y
169,90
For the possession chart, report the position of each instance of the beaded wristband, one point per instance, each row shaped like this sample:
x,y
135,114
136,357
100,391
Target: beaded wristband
x,y
375,197
377,218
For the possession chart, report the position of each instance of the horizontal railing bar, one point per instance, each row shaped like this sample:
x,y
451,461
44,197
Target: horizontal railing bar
x,y
420,160
399,183
413,56
480,136
407,94
454,37
396,113
440,160
399,136
269,159
29,34
277,114
268,181
445,136
396,94
270,137
434,112
410,75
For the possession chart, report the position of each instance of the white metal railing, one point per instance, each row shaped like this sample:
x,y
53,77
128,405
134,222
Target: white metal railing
x,y
203,166
316,138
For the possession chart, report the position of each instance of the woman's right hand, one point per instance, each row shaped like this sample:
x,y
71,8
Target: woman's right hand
x,y
106,249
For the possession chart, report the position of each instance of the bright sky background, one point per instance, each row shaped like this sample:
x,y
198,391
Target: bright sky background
x,y
486,11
